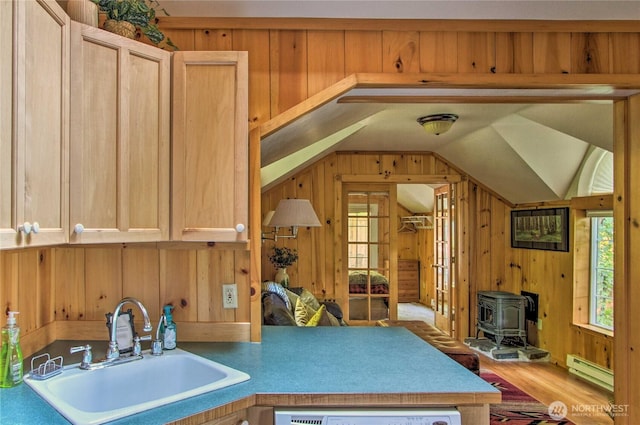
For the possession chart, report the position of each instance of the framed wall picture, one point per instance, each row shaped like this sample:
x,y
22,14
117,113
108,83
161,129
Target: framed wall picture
x,y
546,228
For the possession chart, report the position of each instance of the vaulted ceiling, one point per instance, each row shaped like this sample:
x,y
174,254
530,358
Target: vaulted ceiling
x,y
523,150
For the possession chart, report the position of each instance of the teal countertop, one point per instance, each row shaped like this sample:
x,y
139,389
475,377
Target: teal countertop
x,y
290,360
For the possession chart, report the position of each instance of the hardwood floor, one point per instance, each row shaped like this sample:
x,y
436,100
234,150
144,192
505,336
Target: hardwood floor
x,y
548,383
545,382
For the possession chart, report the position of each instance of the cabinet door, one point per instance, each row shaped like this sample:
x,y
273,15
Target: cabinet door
x,y
119,179
34,77
210,195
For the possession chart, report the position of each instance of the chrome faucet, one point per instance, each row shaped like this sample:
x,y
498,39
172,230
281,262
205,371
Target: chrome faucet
x,y
113,352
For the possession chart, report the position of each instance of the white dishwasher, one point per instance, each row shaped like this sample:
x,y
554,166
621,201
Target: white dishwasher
x,y
367,416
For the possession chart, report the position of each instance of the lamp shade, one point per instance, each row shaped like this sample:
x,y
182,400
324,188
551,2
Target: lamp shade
x,y
437,124
294,212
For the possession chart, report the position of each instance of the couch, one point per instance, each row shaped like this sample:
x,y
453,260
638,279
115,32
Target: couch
x,y
297,307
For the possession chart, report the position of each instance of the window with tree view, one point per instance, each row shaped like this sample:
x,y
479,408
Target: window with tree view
x,y
601,305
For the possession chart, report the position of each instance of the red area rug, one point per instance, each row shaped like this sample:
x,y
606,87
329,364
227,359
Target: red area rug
x,y
517,407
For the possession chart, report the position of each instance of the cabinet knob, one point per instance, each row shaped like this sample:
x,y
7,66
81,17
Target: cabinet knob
x,y
35,227
240,227
78,228
26,228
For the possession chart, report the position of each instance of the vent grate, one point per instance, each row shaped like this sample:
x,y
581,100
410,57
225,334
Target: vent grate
x,y
305,421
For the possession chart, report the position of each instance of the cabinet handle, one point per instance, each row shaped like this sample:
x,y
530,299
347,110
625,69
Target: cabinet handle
x,y
27,227
240,227
78,228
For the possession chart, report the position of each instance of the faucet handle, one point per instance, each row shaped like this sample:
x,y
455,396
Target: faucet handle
x,y
87,355
137,348
156,347
112,351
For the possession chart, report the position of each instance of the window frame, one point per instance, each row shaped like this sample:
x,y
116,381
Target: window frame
x,y
581,211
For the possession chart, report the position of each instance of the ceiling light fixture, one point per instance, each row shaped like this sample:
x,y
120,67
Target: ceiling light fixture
x,y
438,123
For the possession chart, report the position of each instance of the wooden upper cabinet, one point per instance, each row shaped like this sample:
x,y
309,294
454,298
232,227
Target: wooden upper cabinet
x,y
120,139
210,180
34,76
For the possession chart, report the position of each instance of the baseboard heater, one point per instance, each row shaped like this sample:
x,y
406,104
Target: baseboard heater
x,y
368,416
590,371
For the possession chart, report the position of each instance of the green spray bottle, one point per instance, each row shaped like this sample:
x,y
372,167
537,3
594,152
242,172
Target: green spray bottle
x,y
10,354
169,329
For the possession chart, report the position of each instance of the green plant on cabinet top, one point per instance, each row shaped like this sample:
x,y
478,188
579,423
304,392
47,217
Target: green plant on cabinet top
x,y
138,13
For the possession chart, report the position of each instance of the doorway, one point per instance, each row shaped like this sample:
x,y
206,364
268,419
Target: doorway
x,y
369,250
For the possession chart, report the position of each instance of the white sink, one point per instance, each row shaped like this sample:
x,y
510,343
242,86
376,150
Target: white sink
x,y
102,395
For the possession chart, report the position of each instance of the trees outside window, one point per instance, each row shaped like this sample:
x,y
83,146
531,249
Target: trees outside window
x,y
601,288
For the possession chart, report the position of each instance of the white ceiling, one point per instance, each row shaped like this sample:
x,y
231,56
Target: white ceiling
x,y
525,152
416,9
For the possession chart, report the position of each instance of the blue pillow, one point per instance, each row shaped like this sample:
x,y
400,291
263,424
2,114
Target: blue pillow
x,y
278,289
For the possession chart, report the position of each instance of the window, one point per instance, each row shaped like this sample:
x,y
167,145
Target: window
x,y
358,238
593,267
601,270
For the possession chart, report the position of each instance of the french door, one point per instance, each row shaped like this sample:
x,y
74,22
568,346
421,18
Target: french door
x,y
444,247
370,265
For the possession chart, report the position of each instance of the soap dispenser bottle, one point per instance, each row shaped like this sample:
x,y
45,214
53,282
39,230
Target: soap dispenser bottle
x,y
10,354
169,329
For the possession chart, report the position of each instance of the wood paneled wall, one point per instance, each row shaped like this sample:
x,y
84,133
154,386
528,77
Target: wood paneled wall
x,y
407,242
319,250
487,261
495,266
292,59
64,293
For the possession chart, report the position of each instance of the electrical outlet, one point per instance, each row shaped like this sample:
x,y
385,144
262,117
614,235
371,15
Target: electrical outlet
x,y
539,324
230,295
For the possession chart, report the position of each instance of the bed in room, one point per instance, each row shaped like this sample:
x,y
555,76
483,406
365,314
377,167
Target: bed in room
x,y
368,282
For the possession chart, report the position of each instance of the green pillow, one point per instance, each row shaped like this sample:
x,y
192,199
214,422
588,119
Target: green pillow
x,y
293,298
307,296
309,299
315,319
302,313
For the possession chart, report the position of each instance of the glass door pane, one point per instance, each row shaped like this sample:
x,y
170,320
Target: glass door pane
x,y
368,252
442,258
